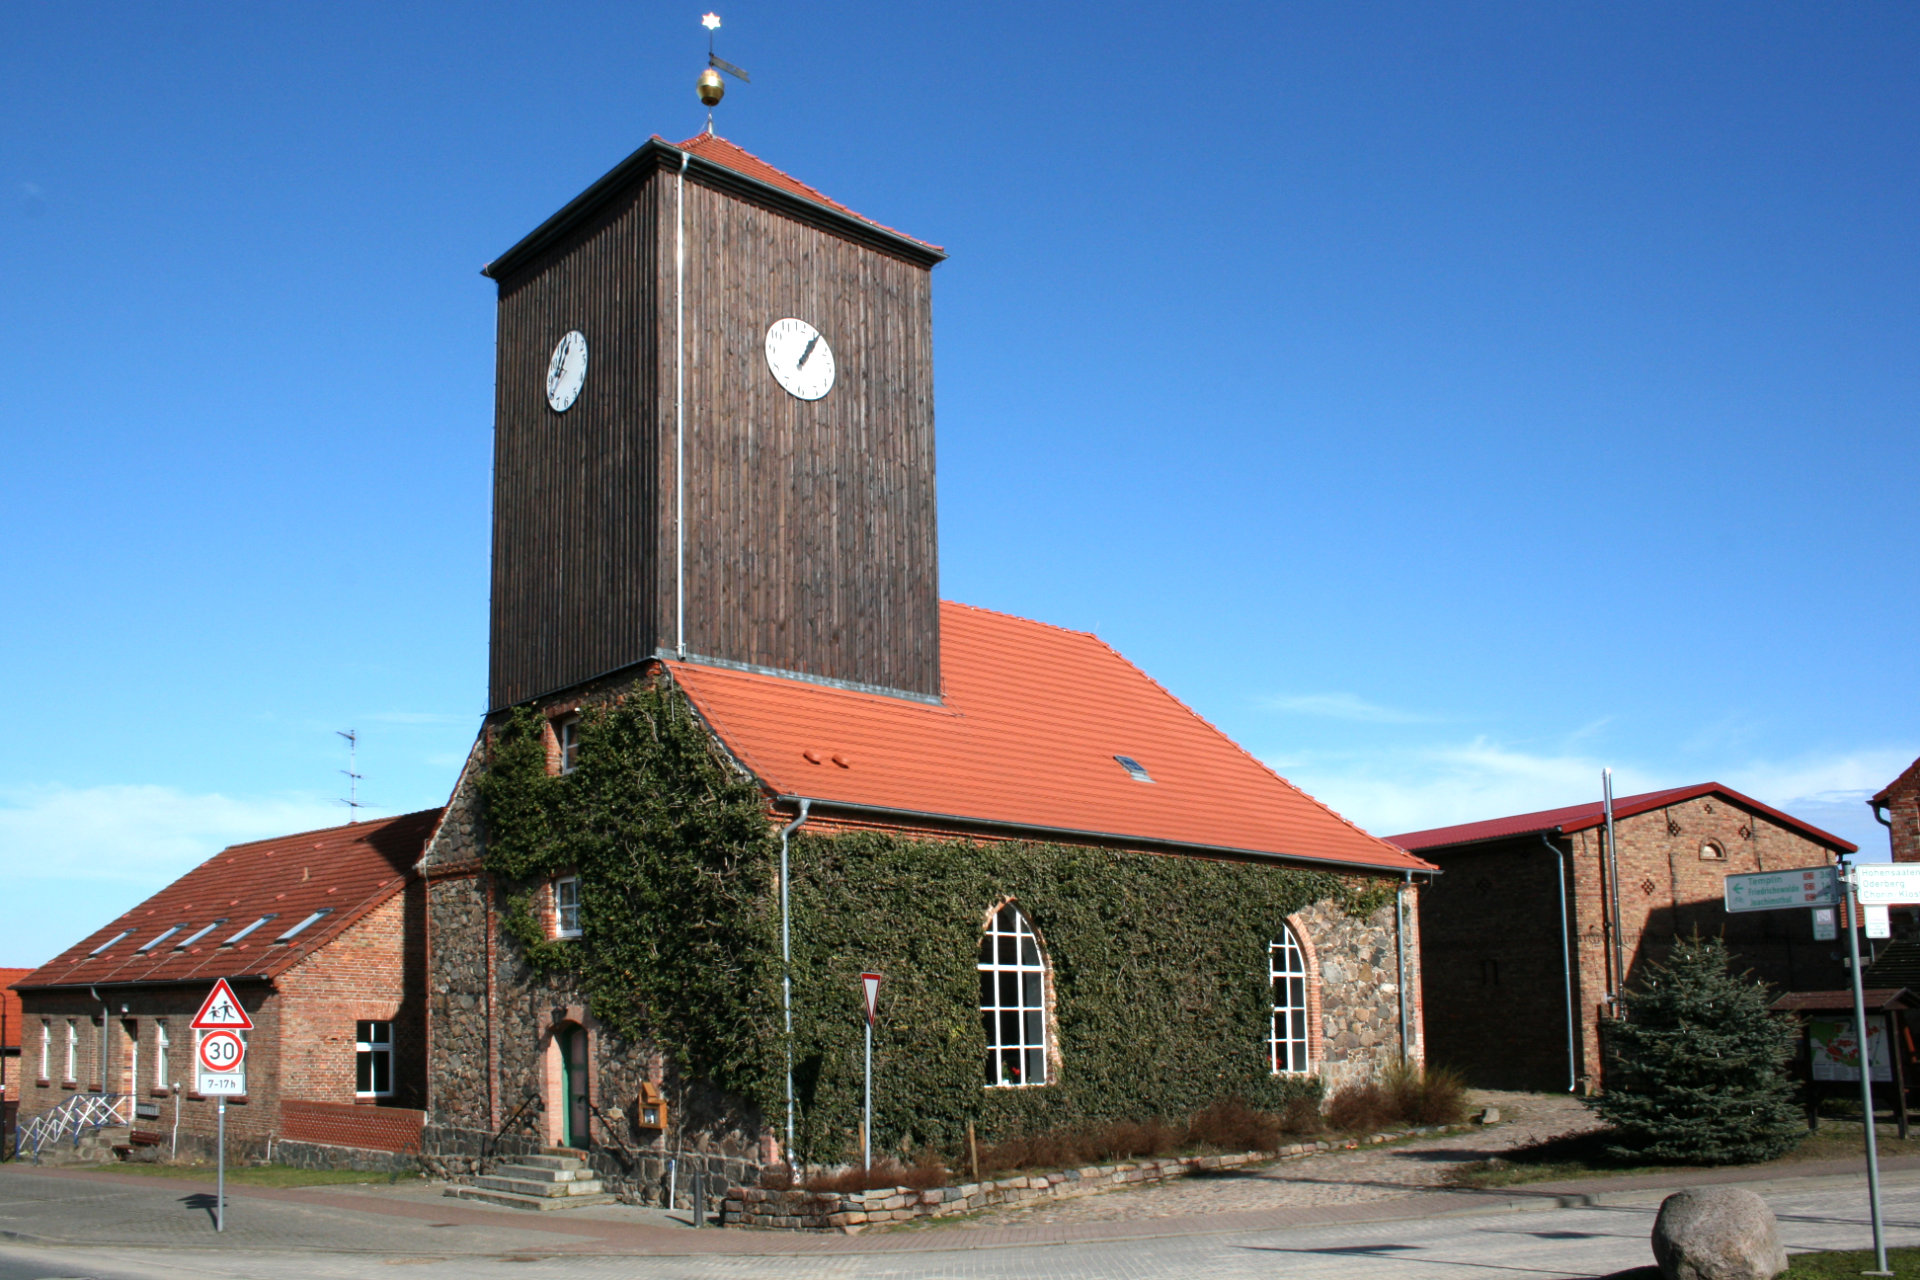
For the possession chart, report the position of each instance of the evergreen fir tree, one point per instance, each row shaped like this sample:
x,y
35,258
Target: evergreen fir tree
x,y
1695,1072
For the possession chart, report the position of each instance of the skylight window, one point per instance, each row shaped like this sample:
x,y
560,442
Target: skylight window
x,y
250,928
295,932
1134,768
109,942
194,937
140,951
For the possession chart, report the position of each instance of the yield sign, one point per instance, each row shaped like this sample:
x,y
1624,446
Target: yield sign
x,y
871,981
222,1011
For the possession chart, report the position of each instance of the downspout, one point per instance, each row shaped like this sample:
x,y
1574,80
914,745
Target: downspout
x,y
1400,938
1880,816
1566,966
680,408
786,966
1613,876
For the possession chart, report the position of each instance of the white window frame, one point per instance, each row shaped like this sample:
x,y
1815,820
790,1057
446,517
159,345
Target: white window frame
x,y
566,738
46,1048
1013,1001
566,925
73,1053
161,1043
1289,1039
372,1046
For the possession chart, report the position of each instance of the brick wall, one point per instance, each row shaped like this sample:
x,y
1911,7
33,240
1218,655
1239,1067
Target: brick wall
x,y
1903,811
346,1125
1494,974
373,971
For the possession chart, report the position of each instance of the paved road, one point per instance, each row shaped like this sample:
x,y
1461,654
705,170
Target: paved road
x,y
1586,1241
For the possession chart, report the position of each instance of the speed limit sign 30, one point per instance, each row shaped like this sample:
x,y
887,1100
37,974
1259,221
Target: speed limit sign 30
x,y
221,1065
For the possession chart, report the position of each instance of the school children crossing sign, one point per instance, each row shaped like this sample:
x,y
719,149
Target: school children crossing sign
x,y
220,1050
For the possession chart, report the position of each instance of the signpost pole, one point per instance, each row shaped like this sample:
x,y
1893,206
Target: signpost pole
x,y
1866,1071
220,1184
866,1129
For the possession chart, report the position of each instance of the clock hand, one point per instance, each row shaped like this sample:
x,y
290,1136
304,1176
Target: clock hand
x,y
809,351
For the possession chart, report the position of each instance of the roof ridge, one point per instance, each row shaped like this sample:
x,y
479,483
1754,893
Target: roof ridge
x,y
1002,613
369,824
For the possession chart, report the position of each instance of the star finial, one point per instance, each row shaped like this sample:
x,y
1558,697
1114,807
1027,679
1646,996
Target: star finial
x,y
711,21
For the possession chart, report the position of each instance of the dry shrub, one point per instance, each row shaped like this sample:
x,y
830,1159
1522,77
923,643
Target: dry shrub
x,y
1361,1108
1232,1125
1403,1095
925,1173
1302,1115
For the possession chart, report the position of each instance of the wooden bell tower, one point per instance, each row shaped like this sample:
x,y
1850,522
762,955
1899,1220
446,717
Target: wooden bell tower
x,y
713,433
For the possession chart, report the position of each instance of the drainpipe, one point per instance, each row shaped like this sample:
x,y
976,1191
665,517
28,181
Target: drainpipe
x,y
680,408
1613,875
786,966
106,1016
1400,937
1566,965
1880,816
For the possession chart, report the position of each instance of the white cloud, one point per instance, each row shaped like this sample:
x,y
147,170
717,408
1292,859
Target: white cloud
x,y
72,858
1342,706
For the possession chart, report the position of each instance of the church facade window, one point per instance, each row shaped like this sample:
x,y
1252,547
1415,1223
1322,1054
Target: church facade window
x,y
1013,1001
1287,971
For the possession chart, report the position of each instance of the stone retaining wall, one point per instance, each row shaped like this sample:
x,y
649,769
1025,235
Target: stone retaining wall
x,y
854,1211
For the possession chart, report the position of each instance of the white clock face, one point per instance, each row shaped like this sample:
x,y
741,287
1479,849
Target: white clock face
x,y
567,371
800,358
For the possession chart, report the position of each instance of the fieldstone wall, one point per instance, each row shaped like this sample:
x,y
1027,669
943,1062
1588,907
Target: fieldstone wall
x,y
1359,962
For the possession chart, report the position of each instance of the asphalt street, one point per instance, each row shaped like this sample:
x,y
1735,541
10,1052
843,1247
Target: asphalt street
x,y
1586,1241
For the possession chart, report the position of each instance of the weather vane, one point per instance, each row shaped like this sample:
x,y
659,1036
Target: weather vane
x,y
712,87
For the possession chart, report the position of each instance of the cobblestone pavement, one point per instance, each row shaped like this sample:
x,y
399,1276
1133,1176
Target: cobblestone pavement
x,y
1587,1241
1328,1178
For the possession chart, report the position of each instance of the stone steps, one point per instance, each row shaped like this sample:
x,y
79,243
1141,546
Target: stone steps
x,y
550,1180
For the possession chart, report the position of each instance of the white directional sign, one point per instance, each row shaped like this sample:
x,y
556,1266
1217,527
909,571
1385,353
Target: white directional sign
x,y
1883,883
220,1064
1772,890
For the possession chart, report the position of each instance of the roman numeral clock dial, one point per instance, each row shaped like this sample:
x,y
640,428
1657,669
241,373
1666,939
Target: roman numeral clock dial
x,y
800,359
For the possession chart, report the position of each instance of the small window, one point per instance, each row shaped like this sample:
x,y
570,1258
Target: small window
x,y
46,1047
1134,768
373,1060
1287,1037
566,906
73,1051
109,942
250,928
1710,851
1013,1006
300,928
140,951
567,733
198,934
160,1046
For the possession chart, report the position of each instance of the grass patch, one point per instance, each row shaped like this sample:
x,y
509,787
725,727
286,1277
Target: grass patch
x,y
1585,1156
1848,1265
268,1175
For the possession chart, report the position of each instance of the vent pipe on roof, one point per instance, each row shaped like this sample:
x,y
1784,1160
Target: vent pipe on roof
x,y
786,967
1613,875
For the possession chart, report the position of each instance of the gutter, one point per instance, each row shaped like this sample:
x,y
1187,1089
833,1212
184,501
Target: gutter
x,y
1566,960
1076,836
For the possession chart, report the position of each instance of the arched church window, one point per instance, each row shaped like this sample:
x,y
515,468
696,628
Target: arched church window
x,y
1287,969
1013,1000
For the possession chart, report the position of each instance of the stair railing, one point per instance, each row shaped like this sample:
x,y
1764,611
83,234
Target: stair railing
x,y
75,1116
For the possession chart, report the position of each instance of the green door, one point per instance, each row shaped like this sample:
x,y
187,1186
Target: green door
x,y
573,1086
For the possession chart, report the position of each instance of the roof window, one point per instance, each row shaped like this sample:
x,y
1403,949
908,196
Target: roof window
x,y
298,929
140,951
109,942
198,934
1134,768
250,928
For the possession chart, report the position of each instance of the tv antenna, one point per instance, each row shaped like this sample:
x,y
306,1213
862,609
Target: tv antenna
x,y
712,88
353,777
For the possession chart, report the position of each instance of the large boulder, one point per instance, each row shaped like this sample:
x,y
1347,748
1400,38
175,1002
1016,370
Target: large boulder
x,y
1717,1233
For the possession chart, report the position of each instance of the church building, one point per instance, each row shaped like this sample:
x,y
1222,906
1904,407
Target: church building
x,y
740,754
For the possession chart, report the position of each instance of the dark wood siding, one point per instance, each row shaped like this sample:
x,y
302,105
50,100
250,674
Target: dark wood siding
x,y
574,492
811,527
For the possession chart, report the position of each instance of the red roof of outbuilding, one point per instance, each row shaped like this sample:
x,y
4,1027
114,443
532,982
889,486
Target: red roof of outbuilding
x,y
1580,817
10,1007
1024,738
715,149
345,871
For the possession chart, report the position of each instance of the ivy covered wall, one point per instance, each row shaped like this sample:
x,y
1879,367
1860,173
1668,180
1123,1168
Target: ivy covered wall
x,y
1159,993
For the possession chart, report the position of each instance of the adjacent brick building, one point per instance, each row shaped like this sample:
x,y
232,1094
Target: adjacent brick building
x,y
320,935
1898,806
9,1052
1523,895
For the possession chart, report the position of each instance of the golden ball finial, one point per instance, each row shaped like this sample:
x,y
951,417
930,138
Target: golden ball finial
x,y
711,89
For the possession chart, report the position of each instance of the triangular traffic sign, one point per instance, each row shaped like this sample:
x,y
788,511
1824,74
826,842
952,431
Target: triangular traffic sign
x,y
871,981
221,1011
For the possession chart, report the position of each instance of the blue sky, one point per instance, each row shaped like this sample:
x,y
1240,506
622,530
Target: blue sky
x,y
1447,401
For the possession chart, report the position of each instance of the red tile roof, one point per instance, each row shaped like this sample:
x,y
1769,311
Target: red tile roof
x,y
729,155
346,871
1579,817
1908,779
10,1007
1025,737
